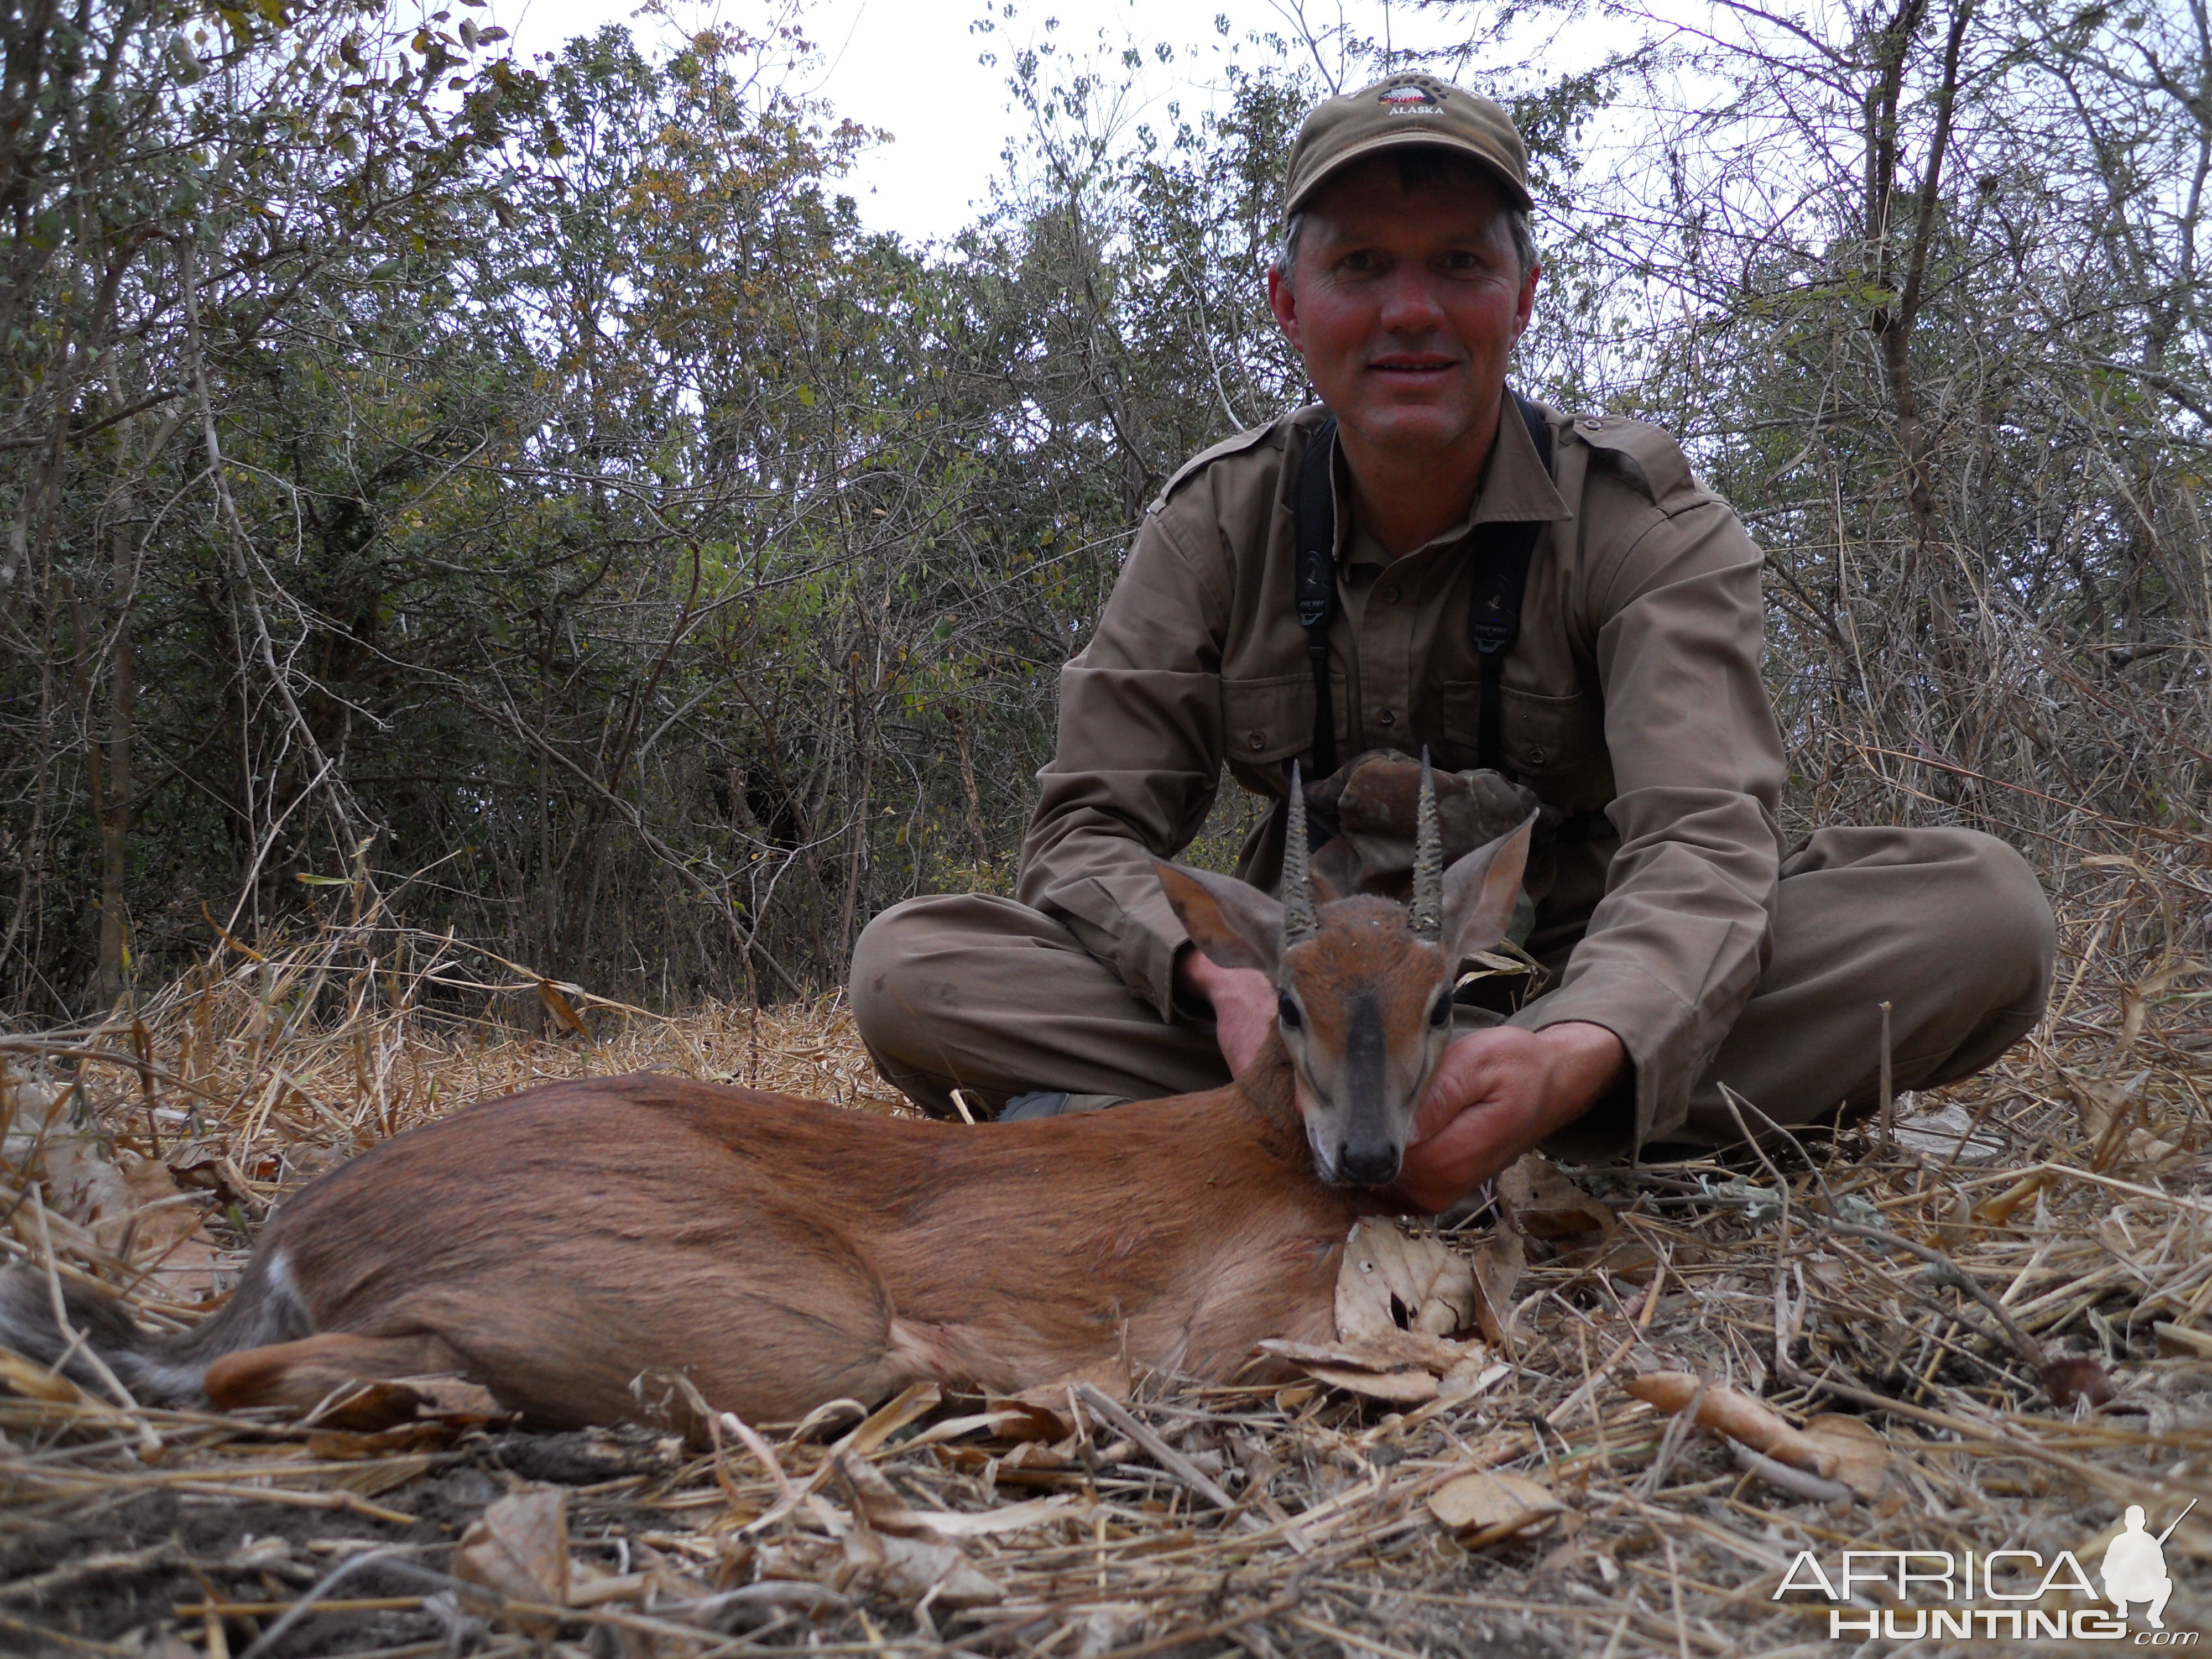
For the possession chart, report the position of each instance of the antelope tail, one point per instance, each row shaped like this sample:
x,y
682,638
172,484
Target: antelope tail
x,y
159,1369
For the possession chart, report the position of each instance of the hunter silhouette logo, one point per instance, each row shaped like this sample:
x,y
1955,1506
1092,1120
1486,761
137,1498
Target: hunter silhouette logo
x,y
2135,1566
2015,1594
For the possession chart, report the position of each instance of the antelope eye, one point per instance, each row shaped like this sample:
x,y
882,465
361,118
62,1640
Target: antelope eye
x,y
1287,1011
1440,1013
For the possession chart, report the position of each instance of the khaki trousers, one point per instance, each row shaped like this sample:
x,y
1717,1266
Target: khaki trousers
x,y
1949,927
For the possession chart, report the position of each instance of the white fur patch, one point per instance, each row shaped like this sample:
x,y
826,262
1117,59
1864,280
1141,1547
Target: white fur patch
x,y
158,1380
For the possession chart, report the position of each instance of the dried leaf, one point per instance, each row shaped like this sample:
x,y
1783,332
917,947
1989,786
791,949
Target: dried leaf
x,y
158,1217
876,1501
910,1405
194,1272
2108,1112
561,1008
1034,1456
1863,1455
205,1166
876,1504
908,1568
1007,1517
1737,1415
1497,1267
1397,1297
1955,1231
1400,1367
1541,1202
2135,998
1480,1508
1948,1134
1478,1373
519,1548
370,1406
1395,1350
127,1198
1404,1387
1392,1282
376,1405
1997,1211
903,1553
1036,1415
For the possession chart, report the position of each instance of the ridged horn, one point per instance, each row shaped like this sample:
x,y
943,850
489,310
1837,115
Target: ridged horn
x,y
1426,918
1300,923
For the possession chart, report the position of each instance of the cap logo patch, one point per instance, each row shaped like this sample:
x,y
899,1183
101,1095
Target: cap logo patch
x,y
1405,99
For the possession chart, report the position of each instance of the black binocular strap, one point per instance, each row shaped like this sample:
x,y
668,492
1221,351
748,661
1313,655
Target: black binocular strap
x,y
1317,577
1494,613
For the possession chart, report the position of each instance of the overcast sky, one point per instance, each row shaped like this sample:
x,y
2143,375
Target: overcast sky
x,y
911,67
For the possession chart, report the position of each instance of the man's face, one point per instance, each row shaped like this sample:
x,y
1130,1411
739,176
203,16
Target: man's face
x,y
1404,303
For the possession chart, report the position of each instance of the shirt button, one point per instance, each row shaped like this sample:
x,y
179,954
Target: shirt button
x,y
1259,740
1386,718
1389,596
1535,758
1592,423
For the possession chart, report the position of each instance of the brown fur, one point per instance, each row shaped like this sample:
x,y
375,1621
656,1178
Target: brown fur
x,y
1367,965
558,1244
1364,988
569,1247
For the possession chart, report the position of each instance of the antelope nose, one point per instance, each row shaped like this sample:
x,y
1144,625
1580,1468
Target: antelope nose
x,y
1367,1166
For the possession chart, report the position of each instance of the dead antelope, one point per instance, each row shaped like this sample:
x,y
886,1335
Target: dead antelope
x,y
561,1244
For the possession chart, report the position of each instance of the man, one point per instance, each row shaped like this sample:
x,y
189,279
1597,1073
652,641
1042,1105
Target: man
x,y
1690,947
2135,1569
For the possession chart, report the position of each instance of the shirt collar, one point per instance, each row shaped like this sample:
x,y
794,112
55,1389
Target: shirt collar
x,y
1515,490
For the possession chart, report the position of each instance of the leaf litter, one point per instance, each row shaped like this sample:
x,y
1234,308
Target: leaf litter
x,y
1601,1416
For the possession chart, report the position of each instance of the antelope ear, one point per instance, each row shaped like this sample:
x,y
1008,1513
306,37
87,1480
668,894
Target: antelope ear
x,y
1236,924
1480,891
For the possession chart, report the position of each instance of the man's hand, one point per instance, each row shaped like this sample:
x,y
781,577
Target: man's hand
x,y
1495,1094
1243,1001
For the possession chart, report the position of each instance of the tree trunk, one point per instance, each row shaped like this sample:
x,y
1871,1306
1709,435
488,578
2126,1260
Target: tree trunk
x,y
113,806
1901,272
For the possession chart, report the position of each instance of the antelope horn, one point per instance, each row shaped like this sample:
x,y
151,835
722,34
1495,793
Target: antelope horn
x,y
1427,916
1299,921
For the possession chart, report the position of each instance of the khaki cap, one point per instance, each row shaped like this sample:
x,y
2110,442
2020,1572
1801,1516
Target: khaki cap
x,y
1401,111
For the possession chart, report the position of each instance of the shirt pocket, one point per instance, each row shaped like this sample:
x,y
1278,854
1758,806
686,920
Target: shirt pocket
x,y
1272,718
1544,737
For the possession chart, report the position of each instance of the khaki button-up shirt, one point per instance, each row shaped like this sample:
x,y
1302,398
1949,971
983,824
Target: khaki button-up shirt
x,y
1632,695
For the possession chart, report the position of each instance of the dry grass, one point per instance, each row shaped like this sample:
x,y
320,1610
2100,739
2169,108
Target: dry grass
x,y
2085,1221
